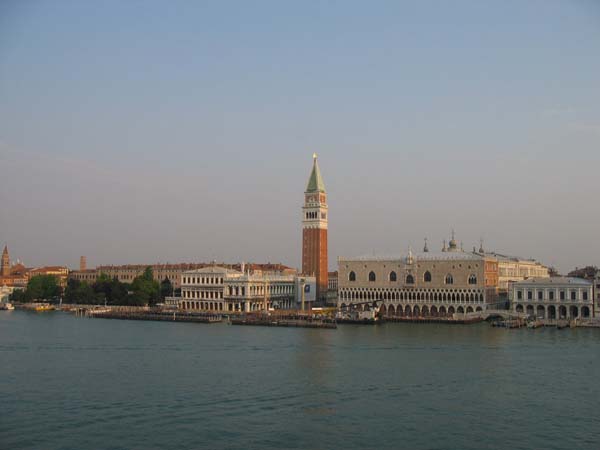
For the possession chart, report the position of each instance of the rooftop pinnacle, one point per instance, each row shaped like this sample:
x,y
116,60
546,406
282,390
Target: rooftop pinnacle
x,y
315,182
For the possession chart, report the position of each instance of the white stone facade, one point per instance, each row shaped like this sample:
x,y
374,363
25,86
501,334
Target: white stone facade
x,y
259,293
218,289
553,298
204,289
512,268
427,284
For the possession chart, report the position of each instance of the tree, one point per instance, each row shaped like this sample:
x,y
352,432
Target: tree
x,y
42,287
18,295
80,293
146,290
111,291
166,288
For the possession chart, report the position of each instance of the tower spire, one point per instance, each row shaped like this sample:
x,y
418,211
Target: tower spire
x,y
315,181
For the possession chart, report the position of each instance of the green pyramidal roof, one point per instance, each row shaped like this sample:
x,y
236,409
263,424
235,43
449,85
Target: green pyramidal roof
x,y
315,182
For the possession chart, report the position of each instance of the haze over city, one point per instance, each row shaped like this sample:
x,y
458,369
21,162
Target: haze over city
x,y
146,131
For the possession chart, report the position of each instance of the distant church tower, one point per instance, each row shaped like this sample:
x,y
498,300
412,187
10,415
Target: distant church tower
x,y
314,230
5,267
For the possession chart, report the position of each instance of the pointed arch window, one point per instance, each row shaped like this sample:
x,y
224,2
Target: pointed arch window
x,y
352,276
410,279
427,277
393,276
372,276
449,279
472,279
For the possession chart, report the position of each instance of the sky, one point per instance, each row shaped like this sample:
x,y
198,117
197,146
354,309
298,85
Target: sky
x,y
155,131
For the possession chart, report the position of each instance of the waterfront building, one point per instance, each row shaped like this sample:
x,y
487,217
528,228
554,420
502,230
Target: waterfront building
x,y
597,295
264,268
332,281
204,289
332,288
220,289
128,272
16,275
60,272
253,292
5,292
314,231
425,284
173,272
552,298
88,276
514,268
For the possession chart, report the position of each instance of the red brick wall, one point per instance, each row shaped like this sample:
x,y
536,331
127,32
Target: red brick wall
x,y
314,257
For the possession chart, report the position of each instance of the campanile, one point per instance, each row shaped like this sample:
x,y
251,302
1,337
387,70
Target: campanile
x,y
314,231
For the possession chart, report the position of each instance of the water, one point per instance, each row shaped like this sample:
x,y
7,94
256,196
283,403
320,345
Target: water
x,y
75,383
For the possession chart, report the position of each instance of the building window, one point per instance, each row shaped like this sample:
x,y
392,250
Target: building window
x,y
393,276
372,276
540,295
519,295
529,295
410,279
585,295
562,295
573,295
427,277
449,279
472,279
351,276
551,295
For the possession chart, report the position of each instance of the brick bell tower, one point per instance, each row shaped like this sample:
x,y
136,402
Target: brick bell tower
x,y
314,231
5,266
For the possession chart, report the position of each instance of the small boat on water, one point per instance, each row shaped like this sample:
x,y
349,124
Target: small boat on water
x,y
6,306
43,307
534,324
357,317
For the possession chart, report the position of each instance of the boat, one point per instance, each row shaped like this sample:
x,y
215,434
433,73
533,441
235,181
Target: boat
x,y
43,307
534,324
6,306
357,317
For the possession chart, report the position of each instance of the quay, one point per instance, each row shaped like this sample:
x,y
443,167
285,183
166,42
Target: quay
x,y
445,320
363,321
155,315
292,321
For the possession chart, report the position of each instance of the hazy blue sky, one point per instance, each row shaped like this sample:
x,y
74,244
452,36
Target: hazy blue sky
x,y
183,131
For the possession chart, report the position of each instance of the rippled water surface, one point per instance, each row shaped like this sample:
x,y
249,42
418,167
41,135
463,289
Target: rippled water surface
x,y
74,383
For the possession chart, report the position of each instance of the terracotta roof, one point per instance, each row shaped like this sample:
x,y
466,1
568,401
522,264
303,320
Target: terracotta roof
x,y
49,269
